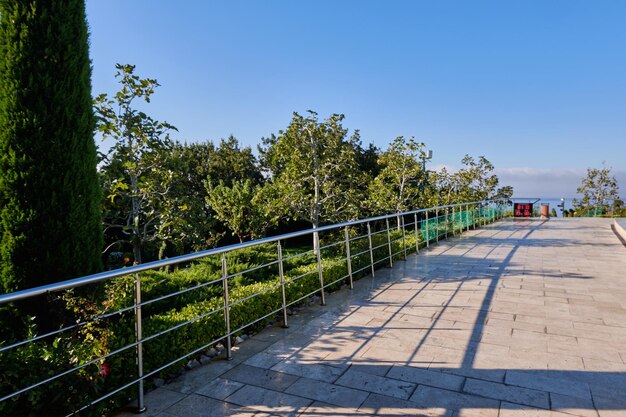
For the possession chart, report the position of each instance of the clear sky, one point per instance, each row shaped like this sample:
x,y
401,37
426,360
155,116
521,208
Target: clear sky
x,y
537,87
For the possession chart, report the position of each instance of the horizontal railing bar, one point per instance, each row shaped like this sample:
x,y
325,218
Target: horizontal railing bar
x,y
357,238
102,276
233,332
254,295
341,242
302,298
361,269
300,276
359,254
286,258
448,223
379,246
379,232
234,274
128,385
336,281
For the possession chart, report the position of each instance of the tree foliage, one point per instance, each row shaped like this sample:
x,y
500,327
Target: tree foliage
x,y
50,225
599,190
398,185
475,181
243,207
313,167
136,177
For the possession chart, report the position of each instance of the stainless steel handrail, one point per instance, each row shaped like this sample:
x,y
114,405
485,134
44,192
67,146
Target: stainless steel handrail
x,y
440,224
103,276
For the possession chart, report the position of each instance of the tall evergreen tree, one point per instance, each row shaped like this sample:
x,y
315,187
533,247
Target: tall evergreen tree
x,y
50,221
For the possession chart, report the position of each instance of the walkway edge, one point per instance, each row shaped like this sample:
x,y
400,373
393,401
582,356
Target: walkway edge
x,y
619,229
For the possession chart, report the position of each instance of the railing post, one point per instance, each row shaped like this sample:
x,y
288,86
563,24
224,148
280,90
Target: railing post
x,y
316,236
437,225
348,256
476,218
446,220
139,336
229,352
281,274
389,243
427,232
467,216
453,221
417,235
403,237
369,238
484,217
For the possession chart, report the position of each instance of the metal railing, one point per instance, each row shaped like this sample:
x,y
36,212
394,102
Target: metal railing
x,y
351,250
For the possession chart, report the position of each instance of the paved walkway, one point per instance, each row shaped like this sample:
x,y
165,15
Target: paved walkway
x,y
521,318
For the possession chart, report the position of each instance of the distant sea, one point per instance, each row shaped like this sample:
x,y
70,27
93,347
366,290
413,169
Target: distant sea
x,y
552,201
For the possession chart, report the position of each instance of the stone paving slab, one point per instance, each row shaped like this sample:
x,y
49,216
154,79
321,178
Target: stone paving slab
x,y
520,318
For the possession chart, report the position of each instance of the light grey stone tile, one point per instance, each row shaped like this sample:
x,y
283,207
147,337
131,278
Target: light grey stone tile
x,y
330,393
195,379
277,381
519,410
429,397
573,405
426,377
533,380
219,388
534,398
321,409
310,370
155,401
495,375
376,384
374,369
273,402
382,405
199,406
263,360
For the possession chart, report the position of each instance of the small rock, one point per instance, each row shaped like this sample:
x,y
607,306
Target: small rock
x,y
158,382
245,337
211,353
219,347
238,340
289,312
315,299
204,359
193,364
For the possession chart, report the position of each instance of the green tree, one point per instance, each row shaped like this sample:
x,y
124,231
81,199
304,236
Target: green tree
x,y
397,187
50,222
137,180
599,188
475,181
313,167
367,158
504,193
445,185
242,207
193,223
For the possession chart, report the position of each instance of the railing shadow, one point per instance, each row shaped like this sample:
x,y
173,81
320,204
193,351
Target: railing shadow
x,y
425,359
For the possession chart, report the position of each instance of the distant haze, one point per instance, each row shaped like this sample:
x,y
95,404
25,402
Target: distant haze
x,y
550,182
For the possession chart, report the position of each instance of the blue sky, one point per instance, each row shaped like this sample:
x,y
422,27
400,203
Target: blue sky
x,y
537,87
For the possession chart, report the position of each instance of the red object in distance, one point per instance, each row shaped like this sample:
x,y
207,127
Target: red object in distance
x,y
523,209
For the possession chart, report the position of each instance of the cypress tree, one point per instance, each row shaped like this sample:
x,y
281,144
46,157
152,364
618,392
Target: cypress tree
x,y
50,221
